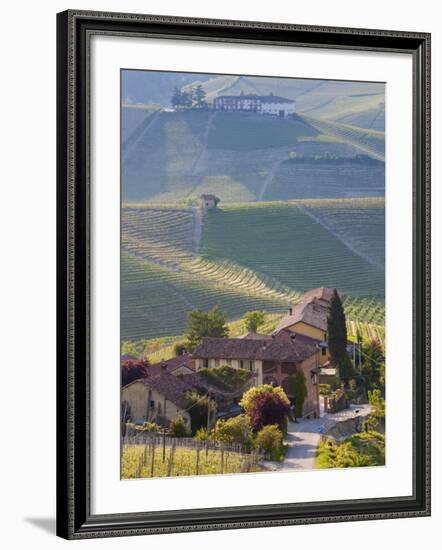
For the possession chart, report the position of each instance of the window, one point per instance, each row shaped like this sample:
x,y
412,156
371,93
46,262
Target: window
x,y
205,363
324,351
325,337
152,404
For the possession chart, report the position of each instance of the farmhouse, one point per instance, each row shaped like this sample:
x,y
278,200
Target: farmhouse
x,y
309,318
261,104
177,366
155,399
270,358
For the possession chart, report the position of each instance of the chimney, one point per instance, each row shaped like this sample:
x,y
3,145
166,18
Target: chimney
x,y
290,310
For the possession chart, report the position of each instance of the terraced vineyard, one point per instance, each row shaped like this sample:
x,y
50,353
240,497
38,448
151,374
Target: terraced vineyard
x,y
156,301
359,223
370,142
244,264
284,243
296,180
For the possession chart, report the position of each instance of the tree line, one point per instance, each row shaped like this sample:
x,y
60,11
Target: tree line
x,y
194,98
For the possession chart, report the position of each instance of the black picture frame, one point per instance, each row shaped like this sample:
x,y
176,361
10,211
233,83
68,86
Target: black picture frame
x,y
74,518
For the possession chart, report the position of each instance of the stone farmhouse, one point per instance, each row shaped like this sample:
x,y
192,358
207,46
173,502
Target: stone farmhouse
x,y
260,104
271,358
161,395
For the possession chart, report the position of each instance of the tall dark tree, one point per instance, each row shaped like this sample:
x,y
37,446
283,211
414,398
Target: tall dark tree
x,y
205,323
177,98
337,338
199,97
298,389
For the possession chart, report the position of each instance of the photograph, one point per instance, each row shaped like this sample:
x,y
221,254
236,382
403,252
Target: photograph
x,y
252,269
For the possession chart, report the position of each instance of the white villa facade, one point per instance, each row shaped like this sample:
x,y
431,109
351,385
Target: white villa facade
x,y
265,105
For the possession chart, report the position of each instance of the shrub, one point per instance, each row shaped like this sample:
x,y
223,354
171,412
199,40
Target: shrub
x,y
178,427
226,377
236,430
268,408
269,438
251,394
150,427
202,434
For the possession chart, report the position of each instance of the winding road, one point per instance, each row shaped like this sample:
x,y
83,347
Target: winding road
x,y
304,436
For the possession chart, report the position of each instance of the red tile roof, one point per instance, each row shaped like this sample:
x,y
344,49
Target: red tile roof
x,y
171,365
282,347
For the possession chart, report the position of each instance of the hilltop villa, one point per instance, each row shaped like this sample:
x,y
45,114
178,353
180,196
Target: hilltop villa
x,y
261,104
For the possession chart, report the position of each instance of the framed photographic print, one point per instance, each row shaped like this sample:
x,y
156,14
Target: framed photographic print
x,y
243,274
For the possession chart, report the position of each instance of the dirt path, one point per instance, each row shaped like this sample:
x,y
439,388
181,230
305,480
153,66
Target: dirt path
x,y
201,157
272,173
197,228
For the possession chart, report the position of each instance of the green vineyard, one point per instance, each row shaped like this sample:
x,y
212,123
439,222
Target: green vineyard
x,y
283,242
359,223
370,142
253,256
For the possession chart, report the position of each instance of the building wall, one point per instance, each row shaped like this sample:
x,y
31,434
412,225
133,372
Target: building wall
x,y
138,395
313,332
311,403
274,108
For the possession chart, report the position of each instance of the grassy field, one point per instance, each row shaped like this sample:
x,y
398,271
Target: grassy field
x,y
243,131
137,462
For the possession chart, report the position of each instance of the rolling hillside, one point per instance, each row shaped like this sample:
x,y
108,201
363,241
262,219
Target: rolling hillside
x,y
175,156
167,272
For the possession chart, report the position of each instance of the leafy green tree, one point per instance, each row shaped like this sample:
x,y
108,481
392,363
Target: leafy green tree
x,y
337,338
298,388
373,366
199,97
234,430
253,320
377,403
250,395
377,410
205,323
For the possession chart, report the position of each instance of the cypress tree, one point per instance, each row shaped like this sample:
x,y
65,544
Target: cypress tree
x,y
337,338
